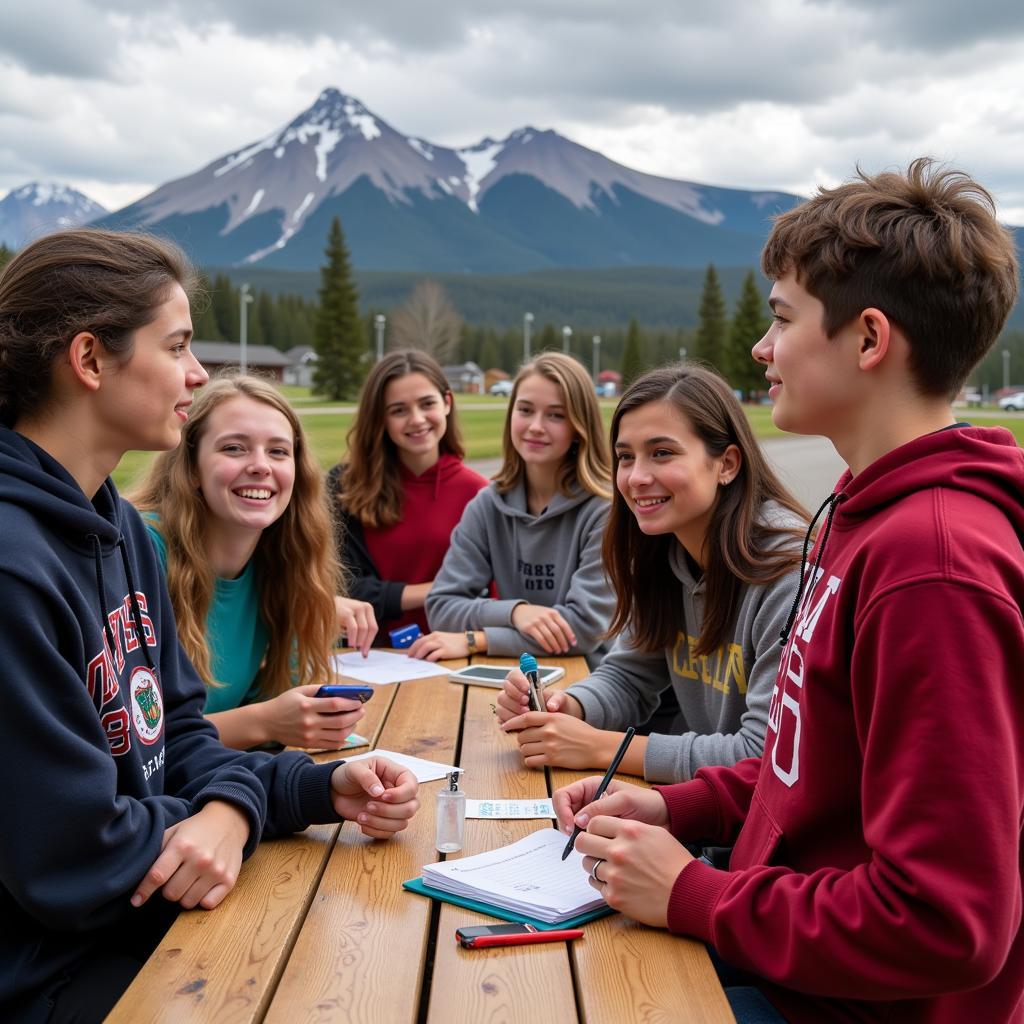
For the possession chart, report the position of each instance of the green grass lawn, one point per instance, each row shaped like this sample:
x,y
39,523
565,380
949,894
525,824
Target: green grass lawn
x,y
481,429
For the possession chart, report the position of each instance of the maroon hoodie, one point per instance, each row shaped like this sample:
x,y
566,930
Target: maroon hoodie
x,y
877,868
382,561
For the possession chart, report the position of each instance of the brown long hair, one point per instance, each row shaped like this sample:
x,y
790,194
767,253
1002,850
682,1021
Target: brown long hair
x,y
371,488
587,464
110,283
741,548
295,563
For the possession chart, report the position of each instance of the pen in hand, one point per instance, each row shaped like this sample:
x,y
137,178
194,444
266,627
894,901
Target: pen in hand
x,y
619,754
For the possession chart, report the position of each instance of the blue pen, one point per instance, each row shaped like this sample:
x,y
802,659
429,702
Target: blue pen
x,y
528,666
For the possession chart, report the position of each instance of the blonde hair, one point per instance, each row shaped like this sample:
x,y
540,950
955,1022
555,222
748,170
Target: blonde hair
x,y
587,464
295,564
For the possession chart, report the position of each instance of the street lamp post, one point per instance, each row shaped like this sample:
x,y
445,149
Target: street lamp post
x,y
378,322
244,298
566,335
527,321
597,357
1006,368
682,353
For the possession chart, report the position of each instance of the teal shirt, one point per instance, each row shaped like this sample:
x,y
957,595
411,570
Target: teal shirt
x,y
235,633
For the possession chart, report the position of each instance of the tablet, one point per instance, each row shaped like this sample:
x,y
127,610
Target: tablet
x,y
494,675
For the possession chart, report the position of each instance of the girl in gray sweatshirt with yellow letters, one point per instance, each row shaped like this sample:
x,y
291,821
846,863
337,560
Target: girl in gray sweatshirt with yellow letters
x,y
703,551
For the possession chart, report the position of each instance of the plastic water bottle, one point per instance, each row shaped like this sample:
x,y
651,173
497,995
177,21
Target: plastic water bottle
x,y
451,816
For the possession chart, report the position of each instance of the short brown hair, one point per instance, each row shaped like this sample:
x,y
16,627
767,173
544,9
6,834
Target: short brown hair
x,y
924,247
110,283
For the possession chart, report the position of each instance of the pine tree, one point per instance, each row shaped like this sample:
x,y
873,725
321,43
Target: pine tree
x,y
712,325
224,303
338,334
633,363
749,323
5,256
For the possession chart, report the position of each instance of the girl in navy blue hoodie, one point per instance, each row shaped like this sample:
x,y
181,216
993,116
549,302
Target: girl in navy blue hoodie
x,y
121,804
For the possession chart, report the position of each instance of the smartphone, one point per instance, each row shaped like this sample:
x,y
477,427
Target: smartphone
x,y
494,675
467,935
360,693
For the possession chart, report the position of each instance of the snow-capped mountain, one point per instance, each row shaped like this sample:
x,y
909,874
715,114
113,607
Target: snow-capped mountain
x,y
39,207
532,200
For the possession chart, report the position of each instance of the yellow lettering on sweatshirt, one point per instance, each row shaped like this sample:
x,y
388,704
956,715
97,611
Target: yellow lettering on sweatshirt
x,y
720,669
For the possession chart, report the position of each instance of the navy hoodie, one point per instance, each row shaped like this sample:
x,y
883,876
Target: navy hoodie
x,y
103,745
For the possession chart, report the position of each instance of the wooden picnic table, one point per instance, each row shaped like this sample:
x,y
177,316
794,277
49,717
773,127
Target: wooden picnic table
x,y
319,929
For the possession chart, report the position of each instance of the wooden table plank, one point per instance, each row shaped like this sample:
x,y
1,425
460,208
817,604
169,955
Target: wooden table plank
x,y
362,948
628,971
514,983
625,970
223,965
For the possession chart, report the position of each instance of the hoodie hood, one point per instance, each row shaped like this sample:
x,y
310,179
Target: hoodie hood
x,y
35,481
446,469
984,461
513,503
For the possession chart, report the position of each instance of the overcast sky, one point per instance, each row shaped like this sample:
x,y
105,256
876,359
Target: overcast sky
x,y
116,98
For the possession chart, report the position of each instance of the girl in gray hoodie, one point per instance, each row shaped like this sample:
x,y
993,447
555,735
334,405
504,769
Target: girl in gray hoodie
x,y
523,571
703,551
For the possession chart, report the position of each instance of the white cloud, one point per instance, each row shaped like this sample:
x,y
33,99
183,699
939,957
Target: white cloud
x,y
777,94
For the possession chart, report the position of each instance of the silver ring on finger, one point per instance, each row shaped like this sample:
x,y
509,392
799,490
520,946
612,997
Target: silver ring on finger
x,y
593,871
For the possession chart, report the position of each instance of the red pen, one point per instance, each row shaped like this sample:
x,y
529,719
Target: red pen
x,y
523,935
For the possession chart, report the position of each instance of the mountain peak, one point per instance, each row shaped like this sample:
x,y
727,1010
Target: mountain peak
x,y
37,207
334,110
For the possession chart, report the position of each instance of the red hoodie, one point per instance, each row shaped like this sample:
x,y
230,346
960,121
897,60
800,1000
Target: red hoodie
x,y
877,874
413,549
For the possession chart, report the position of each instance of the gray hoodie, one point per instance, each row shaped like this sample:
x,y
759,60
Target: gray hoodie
x,y
723,697
553,559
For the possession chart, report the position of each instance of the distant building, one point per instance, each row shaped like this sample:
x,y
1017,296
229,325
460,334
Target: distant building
x,y
215,355
301,366
466,379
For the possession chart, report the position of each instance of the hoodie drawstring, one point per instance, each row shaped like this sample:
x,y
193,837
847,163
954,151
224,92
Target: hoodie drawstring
x,y
97,558
137,612
830,503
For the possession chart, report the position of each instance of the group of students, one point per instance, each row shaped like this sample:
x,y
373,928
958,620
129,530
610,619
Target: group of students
x,y
842,717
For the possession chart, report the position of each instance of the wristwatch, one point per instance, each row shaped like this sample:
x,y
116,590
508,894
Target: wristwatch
x,y
471,640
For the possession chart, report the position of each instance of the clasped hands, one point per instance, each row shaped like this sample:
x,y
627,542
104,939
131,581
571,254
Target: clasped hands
x,y
200,857
626,830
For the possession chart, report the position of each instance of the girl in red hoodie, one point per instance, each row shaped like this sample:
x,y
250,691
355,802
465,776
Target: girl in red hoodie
x,y
403,489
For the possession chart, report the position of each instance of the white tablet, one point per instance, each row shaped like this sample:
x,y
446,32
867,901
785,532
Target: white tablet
x,y
494,675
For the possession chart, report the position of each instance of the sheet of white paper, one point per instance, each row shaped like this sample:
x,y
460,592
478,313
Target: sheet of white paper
x,y
526,877
509,809
383,667
424,770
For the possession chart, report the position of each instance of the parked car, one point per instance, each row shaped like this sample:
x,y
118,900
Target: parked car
x,y
502,388
1014,401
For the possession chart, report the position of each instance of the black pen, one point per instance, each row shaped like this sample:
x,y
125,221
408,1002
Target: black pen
x,y
619,755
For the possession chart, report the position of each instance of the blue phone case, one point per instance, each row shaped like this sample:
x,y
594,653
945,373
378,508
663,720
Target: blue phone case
x,y
360,693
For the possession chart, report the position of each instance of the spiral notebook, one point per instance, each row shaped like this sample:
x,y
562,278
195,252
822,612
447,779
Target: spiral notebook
x,y
526,881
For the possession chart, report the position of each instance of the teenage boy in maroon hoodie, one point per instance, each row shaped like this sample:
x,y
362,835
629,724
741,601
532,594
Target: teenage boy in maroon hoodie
x,y
877,870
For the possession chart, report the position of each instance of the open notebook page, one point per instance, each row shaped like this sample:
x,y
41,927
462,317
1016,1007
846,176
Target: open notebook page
x,y
528,877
